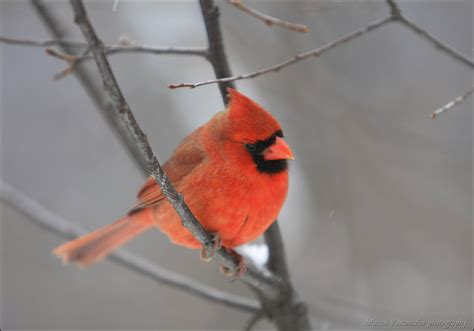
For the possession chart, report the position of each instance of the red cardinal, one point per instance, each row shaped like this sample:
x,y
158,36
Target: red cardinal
x,y
232,172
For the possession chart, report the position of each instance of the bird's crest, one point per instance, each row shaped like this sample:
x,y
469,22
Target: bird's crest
x,y
249,120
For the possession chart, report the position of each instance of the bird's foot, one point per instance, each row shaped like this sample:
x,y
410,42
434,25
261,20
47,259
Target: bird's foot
x,y
208,251
236,272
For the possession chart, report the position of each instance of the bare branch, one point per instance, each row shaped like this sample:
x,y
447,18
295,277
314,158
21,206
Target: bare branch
x,y
267,19
169,50
275,68
216,52
89,84
252,276
394,9
113,119
396,15
43,43
453,103
110,49
62,56
72,61
285,309
276,259
438,44
40,215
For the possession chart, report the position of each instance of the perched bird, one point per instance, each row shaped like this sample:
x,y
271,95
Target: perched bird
x,y
233,174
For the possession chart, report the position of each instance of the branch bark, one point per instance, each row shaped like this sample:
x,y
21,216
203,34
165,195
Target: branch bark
x,y
277,257
136,263
216,52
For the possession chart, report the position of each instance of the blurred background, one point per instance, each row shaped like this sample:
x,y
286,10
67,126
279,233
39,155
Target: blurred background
x,y
378,222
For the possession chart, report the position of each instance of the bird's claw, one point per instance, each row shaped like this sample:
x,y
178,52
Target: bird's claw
x,y
208,251
237,272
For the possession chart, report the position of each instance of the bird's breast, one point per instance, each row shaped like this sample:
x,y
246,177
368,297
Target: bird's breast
x,y
237,207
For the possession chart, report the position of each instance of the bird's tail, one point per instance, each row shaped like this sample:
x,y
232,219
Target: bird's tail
x,y
96,245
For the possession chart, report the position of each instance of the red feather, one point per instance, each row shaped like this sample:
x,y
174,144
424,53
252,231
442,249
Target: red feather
x,y
219,180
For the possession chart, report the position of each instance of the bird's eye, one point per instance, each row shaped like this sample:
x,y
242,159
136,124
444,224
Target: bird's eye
x,y
251,147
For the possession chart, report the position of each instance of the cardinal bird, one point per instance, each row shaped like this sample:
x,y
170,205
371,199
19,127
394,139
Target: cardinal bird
x,y
233,174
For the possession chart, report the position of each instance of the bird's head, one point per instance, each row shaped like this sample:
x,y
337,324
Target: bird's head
x,y
255,132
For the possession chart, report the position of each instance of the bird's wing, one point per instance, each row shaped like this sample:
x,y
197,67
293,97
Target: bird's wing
x,y
185,158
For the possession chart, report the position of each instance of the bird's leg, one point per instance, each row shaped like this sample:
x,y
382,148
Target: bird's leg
x,y
241,267
207,251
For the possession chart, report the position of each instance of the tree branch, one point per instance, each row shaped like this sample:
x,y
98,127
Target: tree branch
x,y
267,19
112,118
216,52
285,308
93,90
110,49
251,277
397,15
277,258
136,263
299,57
452,104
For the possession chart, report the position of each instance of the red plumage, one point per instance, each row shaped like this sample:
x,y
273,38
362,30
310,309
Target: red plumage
x,y
233,176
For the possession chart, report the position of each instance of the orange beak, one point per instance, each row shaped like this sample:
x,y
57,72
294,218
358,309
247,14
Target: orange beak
x,y
279,150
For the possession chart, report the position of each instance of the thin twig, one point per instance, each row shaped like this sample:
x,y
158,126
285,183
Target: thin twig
x,y
70,59
89,84
438,44
252,276
397,15
74,60
110,49
42,216
216,52
43,43
62,56
315,52
452,104
267,19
